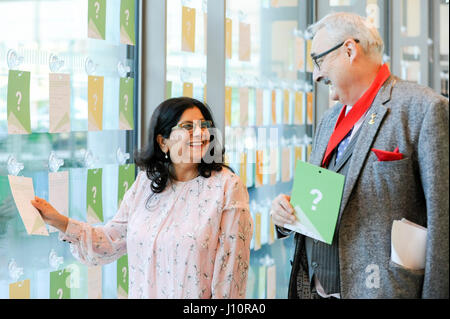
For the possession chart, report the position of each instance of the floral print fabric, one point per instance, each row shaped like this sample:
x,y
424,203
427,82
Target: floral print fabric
x,y
190,241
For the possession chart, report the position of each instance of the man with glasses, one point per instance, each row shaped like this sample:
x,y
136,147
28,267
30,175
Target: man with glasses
x,y
390,139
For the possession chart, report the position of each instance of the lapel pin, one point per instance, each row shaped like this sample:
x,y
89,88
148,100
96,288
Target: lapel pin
x,y
372,119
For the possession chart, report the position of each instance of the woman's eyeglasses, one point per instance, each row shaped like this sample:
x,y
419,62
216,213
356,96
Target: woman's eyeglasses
x,y
189,126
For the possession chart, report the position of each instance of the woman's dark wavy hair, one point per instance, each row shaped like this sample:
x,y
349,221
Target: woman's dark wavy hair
x,y
152,158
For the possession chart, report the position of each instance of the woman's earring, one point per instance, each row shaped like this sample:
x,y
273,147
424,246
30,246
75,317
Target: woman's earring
x,y
167,157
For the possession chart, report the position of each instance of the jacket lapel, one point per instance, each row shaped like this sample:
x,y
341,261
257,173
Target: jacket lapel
x,y
369,129
322,140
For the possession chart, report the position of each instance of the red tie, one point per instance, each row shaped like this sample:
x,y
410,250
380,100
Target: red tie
x,y
345,123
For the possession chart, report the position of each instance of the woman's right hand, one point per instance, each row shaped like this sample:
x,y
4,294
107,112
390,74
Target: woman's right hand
x,y
50,214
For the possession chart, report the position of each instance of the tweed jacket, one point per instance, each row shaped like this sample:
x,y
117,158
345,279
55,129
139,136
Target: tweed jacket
x,y
415,119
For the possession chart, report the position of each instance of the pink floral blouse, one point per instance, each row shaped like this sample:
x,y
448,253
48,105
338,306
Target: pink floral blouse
x,y
190,241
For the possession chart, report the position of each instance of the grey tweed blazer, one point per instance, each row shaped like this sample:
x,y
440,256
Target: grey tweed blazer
x,y
415,119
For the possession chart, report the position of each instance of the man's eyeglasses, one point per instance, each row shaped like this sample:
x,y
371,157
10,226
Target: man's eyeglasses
x,y
316,57
189,126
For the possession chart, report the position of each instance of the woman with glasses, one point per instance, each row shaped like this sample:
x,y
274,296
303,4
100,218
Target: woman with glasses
x,y
185,223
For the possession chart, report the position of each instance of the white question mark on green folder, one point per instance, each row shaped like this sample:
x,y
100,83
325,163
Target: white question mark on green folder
x,y
127,14
317,199
19,95
97,8
94,190
124,273
59,292
125,97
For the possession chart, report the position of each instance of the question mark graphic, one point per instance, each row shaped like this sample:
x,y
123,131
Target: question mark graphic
x,y
73,280
317,199
188,24
19,95
95,103
127,13
59,292
94,190
188,27
125,184
124,272
125,97
97,8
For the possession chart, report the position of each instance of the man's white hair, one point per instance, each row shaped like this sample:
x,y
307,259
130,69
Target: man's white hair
x,y
343,25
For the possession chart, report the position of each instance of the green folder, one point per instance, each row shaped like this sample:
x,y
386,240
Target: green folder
x,y
316,197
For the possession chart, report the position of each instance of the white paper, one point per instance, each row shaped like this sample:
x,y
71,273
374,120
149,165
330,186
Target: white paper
x,y
408,244
59,103
58,188
95,282
23,193
305,227
271,282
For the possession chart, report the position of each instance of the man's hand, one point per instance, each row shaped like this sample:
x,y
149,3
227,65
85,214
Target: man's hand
x,y
282,211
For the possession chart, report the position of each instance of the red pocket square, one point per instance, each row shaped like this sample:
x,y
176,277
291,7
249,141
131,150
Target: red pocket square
x,y
384,156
